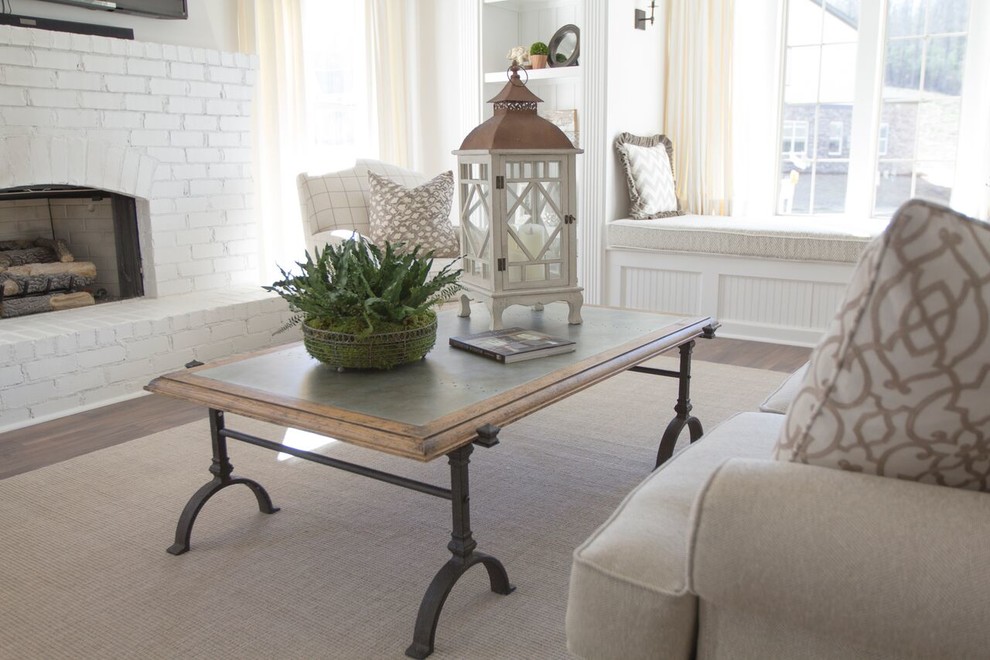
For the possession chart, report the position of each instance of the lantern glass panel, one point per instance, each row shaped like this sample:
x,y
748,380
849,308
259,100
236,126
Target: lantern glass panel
x,y
476,221
547,203
553,250
534,219
526,243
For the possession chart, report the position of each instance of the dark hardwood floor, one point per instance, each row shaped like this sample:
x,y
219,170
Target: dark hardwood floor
x,y
753,354
61,439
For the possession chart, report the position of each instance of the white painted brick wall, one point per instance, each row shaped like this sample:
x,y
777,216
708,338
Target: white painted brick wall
x,y
10,376
159,106
170,126
114,350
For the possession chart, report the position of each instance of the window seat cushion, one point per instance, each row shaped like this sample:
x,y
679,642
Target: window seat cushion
x,y
770,238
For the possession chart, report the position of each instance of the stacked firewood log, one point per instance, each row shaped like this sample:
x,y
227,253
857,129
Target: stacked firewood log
x,y
41,276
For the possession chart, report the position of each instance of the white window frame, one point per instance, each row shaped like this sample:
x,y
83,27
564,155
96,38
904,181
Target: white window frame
x,y
865,140
971,188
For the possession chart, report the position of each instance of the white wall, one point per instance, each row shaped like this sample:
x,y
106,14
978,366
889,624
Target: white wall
x,y
636,63
211,23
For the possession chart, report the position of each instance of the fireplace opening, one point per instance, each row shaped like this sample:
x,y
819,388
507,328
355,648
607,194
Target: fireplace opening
x,y
66,246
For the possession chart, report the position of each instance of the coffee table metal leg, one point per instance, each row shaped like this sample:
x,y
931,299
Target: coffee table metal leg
x,y
462,547
682,409
222,470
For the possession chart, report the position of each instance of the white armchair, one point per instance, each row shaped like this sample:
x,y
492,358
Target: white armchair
x,y
335,205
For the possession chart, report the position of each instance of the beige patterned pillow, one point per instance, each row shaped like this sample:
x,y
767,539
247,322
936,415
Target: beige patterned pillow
x,y
414,216
899,386
648,163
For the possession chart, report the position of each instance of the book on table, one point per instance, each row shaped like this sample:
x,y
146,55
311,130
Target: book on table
x,y
513,344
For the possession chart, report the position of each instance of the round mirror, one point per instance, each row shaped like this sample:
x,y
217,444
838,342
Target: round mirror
x,y
565,46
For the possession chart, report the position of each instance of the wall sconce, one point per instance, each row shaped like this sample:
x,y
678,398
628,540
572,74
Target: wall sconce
x,y
642,19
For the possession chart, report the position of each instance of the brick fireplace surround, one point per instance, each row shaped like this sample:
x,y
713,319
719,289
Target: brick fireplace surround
x,y
170,126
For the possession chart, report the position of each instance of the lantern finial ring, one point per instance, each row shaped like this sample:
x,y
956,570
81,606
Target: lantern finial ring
x,y
513,73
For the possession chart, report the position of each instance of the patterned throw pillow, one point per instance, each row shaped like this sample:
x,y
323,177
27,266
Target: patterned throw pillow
x,y
415,216
899,386
649,166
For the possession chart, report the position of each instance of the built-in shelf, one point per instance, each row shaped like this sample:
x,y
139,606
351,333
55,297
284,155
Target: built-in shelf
x,y
549,73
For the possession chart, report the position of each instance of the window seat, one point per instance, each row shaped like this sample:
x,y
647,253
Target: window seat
x,y
768,238
765,279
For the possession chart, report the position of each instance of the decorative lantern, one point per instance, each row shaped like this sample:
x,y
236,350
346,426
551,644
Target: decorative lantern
x,y
517,199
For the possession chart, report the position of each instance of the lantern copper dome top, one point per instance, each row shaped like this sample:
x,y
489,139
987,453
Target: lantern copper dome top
x,y
515,124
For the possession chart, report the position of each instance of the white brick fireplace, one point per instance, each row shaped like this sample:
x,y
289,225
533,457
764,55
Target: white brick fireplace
x,y
171,127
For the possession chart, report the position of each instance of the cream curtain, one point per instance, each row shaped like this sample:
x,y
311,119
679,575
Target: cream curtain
x,y
272,29
388,56
698,107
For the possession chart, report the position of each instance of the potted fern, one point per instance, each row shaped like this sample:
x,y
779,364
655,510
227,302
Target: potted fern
x,y
364,307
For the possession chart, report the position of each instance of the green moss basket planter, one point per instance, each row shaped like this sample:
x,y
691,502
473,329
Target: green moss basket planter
x,y
376,351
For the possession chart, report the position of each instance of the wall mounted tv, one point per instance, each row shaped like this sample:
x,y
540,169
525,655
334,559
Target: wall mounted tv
x,y
152,8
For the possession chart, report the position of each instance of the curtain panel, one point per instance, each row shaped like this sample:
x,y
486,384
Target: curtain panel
x,y
272,30
698,107
388,53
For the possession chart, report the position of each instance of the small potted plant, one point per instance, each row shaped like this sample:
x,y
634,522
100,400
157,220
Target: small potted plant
x,y
363,307
538,55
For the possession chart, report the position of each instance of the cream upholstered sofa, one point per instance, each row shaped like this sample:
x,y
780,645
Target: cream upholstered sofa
x,y
856,525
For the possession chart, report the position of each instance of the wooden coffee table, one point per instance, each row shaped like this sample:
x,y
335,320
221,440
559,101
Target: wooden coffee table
x,y
440,406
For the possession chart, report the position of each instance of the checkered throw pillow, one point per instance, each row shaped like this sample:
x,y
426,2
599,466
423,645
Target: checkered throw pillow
x,y
648,164
414,216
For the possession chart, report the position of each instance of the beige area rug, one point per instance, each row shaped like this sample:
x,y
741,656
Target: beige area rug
x,y
338,572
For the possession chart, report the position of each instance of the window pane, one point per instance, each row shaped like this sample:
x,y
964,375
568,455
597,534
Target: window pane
x,y
943,65
841,21
893,186
933,181
919,116
905,17
899,124
948,16
938,120
794,191
883,139
836,138
831,178
832,120
794,132
819,91
898,183
838,85
801,81
902,68
804,23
